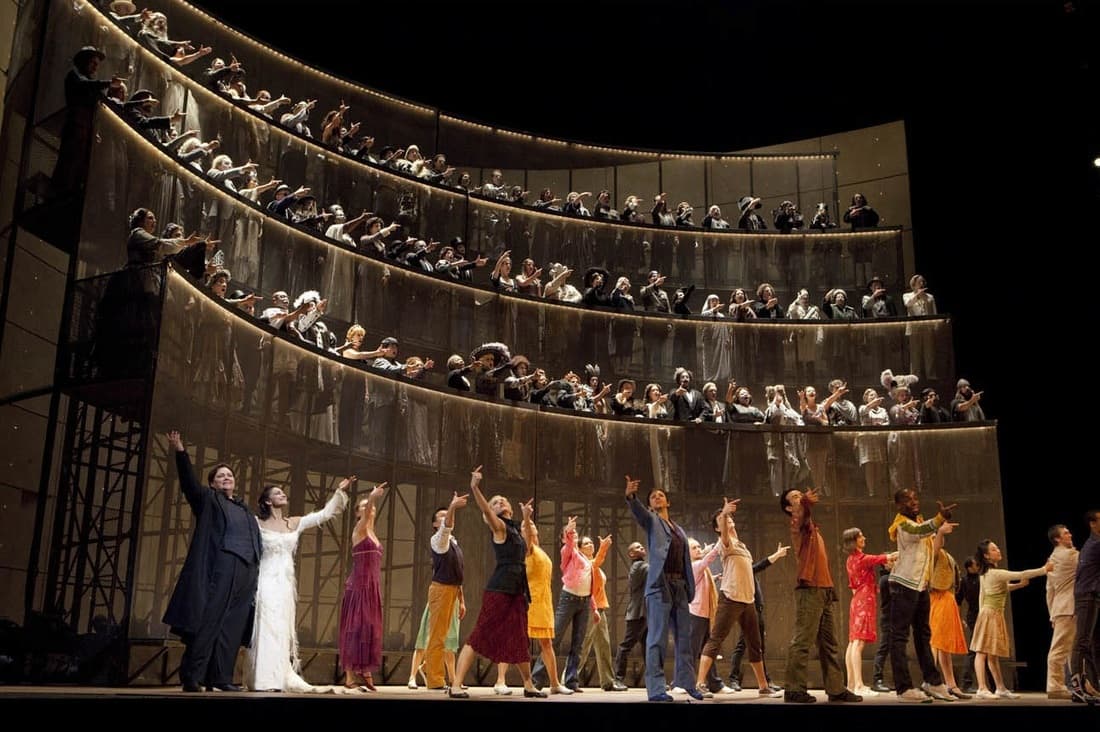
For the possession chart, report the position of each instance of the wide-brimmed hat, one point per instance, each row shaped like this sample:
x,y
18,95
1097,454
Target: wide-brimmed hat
x,y
592,272
519,359
748,202
86,53
499,350
141,96
122,7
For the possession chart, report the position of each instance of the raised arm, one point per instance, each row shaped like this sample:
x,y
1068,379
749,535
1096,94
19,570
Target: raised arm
x,y
333,508
601,553
779,553
495,524
642,515
728,509
369,517
528,525
192,491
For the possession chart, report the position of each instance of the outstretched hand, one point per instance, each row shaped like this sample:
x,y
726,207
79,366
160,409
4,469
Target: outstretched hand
x,y
458,501
527,509
730,507
378,491
347,483
780,551
947,527
175,442
945,511
604,540
632,486
475,477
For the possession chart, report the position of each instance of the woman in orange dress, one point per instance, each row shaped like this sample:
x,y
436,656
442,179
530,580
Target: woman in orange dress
x,y
947,629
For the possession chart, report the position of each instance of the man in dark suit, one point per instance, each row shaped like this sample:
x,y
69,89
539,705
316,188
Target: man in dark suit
x,y
635,609
212,606
687,402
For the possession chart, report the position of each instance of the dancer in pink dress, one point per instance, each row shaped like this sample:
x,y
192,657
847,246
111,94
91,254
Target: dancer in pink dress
x,y
361,610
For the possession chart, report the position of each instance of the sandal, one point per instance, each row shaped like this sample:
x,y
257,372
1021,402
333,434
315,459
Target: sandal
x,y
368,682
457,694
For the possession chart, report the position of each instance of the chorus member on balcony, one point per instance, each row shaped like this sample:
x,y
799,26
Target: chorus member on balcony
x,y
736,605
966,406
660,213
714,220
574,204
459,372
495,187
139,110
598,635
501,277
815,599
807,341
684,212
656,403
860,215
930,410
353,387
680,300
750,220
253,188
211,607
877,303
528,282
575,609
786,451
654,297
501,630
990,640
540,612
842,412
602,209
787,217
767,304
836,307
342,228
557,288
948,637
622,403
144,248
420,256
741,307
714,410
685,400
82,95
284,198
154,36
863,612
922,339
910,603
297,119
517,386
906,409
224,172
596,282
668,592
272,662
455,267
374,241
822,218
630,213
871,447
438,171
741,409
361,607
265,105
547,201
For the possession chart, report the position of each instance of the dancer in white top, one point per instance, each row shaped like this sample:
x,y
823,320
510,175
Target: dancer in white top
x,y
273,657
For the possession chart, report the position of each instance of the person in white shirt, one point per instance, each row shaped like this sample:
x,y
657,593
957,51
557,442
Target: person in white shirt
x,y
1060,584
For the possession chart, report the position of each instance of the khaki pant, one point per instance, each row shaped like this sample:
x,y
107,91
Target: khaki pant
x,y
1061,645
599,635
815,623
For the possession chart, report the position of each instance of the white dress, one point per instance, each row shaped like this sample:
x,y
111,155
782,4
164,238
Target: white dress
x,y
273,657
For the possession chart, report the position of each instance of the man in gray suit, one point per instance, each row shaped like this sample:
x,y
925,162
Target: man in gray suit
x,y
635,609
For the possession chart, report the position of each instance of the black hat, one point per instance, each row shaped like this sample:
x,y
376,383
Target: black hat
x,y
389,341
592,272
141,96
237,295
456,241
86,53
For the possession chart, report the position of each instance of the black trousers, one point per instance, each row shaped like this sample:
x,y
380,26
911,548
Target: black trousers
x,y
635,633
1084,661
700,634
211,653
883,651
909,609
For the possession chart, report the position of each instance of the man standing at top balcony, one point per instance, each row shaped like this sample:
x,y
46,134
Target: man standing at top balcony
x,y
83,93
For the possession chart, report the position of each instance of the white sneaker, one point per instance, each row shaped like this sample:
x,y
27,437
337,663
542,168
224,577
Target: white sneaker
x,y
1006,694
865,691
768,693
727,690
939,692
677,690
563,690
914,696
502,689
412,684
985,694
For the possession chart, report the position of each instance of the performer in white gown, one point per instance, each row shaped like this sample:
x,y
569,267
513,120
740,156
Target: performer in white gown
x,y
273,658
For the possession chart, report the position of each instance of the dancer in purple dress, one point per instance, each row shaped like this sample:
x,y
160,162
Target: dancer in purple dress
x,y
361,610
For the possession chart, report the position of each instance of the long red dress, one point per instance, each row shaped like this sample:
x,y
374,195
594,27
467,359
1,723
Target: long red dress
x,y
361,610
863,614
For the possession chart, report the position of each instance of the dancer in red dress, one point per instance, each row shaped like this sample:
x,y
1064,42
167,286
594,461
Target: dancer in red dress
x,y
361,610
863,613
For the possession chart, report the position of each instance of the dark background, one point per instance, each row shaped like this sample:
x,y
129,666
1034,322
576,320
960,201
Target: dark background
x,y
995,98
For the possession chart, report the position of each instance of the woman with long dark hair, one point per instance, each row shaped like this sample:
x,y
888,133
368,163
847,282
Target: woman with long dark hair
x,y
361,608
273,656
